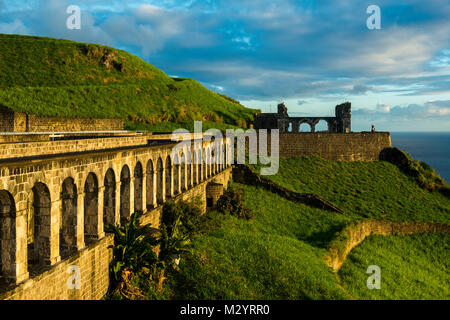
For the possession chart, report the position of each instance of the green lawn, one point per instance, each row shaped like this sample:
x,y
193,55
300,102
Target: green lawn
x,y
412,267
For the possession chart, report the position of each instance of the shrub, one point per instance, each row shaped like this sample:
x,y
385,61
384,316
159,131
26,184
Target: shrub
x,y
231,202
133,248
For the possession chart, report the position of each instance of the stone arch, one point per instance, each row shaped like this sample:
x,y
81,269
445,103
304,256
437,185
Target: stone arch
x,y
91,208
67,232
39,228
109,199
149,185
322,126
210,152
194,166
125,179
176,174
138,185
183,173
199,165
305,127
159,181
189,169
7,235
168,177
205,164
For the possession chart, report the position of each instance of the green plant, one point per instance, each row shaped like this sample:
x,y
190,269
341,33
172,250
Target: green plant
x,y
231,202
133,248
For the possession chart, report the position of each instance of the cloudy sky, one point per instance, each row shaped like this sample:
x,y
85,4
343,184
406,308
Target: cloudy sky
x,y
310,54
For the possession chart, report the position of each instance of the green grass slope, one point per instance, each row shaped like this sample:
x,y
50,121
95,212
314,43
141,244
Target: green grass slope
x,y
412,267
280,255
50,77
376,190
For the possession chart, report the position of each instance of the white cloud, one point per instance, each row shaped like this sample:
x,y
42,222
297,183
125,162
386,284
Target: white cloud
x,y
15,27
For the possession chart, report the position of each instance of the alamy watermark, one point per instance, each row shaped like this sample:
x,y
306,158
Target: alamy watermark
x,y
374,281
74,20
374,20
74,280
219,153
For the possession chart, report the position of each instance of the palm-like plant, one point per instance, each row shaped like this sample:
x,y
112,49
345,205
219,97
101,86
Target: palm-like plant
x,y
133,247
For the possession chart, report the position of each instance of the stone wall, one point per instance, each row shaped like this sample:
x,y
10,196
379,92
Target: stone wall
x,y
334,146
27,149
11,121
93,263
354,234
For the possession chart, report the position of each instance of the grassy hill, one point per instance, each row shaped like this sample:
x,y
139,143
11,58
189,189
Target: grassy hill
x,y
50,77
280,254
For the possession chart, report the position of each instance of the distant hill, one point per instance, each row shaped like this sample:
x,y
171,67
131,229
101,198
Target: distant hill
x,y
51,77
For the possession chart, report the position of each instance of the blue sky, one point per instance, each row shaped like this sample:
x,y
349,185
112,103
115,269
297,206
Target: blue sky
x,y
310,54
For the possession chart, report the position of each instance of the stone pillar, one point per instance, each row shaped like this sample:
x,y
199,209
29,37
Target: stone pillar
x,y
100,224
131,195
144,192
295,126
79,230
155,188
55,214
21,253
313,128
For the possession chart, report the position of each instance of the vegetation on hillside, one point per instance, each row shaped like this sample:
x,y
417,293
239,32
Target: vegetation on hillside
x,y
50,77
280,253
376,190
412,267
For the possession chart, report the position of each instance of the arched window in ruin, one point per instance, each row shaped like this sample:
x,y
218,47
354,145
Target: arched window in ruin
x,y
290,127
109,199
7,236
305,127
168,171
125,195
183,172
159,181
67,232
91,208
321,126
176,174
138,180
149,184
39,229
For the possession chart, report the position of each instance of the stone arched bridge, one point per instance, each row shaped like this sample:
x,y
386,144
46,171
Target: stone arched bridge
x,y
56,197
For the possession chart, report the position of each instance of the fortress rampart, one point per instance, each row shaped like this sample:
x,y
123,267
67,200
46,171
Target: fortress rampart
x,y
11,121
54,206
363,146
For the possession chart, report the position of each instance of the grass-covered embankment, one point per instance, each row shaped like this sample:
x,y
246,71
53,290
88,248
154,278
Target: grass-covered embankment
x,y
412,267
280,253
50,77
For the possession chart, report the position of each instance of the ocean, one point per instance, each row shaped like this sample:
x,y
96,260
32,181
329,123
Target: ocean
x,y
431,147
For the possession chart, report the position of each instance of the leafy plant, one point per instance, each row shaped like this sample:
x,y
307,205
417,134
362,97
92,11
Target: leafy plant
x,y
231,202
133,248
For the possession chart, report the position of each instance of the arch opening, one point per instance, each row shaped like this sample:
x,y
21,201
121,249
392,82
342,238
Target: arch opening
x,y
39,219
159,181
109,199
138,187
149,185
7,236
68,228
91,208
125,194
